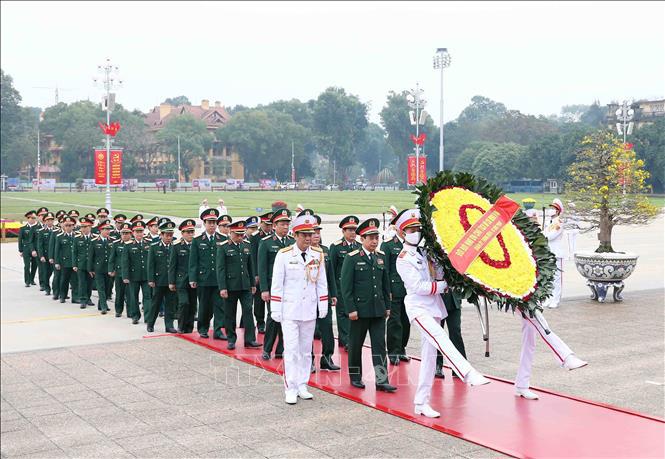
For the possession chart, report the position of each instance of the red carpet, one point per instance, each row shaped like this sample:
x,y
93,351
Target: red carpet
x,y
491,416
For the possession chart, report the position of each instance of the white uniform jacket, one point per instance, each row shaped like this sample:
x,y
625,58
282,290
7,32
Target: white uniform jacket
x,y
554,237
423,292
299,286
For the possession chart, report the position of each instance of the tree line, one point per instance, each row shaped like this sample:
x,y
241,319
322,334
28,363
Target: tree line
x,y
330,135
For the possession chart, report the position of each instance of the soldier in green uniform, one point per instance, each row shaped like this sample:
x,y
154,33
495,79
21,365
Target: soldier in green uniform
x,y
268,249
325,325
98,263
119,219
115,268
454,321
41,269
57,229
398,326
179,277
223,223
235,276
366,293
102,215
80,252
43,237
134,264
254,240
27,247
203,276
338,251
158,279
153,230
64,257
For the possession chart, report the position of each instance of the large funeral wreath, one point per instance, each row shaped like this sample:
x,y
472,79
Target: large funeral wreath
x,y
515,270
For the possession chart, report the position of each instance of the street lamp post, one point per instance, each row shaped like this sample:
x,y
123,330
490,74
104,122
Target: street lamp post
x,y
441,61
416,101
625,117
110,81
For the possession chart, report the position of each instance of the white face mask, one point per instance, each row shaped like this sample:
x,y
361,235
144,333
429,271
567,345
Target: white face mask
x,y
413,238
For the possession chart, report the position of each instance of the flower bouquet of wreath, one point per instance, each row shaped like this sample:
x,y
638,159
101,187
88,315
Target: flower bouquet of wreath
x,y
486,244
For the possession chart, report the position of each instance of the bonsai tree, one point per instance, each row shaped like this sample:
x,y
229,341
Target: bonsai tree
x,y
607,184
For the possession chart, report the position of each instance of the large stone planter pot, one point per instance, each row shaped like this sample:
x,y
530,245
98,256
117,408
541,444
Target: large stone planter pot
x,y
605,270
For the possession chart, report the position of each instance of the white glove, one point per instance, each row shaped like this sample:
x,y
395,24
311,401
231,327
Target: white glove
x,y
441,286
276,316
323,313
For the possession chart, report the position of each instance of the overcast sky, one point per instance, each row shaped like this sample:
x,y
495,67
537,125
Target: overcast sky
x,y
533,57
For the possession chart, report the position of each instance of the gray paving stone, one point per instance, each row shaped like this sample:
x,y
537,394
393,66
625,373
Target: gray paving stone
x,y
26,441
102,449
11,425
44,410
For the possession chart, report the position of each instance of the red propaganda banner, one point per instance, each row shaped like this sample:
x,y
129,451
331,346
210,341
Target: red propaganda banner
x,y
100,167
482,233
411,169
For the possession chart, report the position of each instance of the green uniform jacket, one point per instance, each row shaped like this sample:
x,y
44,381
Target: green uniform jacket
x,y
179,264
152,239
235,270
27,238
64,250
451,300
115,257
365,284
81,251
268,249
255,241
202,257
43,238
51,242
134,262
99,254
338,251
392,248
330,273
158,264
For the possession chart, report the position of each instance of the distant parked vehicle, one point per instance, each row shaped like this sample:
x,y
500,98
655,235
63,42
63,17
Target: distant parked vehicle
x,y
332,187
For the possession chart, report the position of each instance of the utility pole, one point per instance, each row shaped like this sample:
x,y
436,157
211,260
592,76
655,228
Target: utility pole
x,y
441,61
293,166
416,101
179,176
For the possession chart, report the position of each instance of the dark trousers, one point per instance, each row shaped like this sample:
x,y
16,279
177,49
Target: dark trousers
x,y
208,301
120,295
65,282
231,309
85,286
186,309
377,335
342,322
325,326
454,321
29,268
45,271
102,281
273,332
56,282
259,309
398,329
162,293
132,292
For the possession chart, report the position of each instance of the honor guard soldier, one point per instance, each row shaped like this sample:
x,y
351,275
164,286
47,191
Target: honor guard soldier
x,y
298,296
235,276
102,216
366,292
554,234
45,267
64,258
41,212
179,277
136,218
338,251
223,222
203,276
325,324
27,247
76,214
119,219
158,278
424,284
153,230
98,263
134,271
81,252
57,229
268,249
398,328
265,230
390,232
115,268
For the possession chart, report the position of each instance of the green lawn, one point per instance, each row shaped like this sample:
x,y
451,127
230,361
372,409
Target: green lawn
x,y
240,203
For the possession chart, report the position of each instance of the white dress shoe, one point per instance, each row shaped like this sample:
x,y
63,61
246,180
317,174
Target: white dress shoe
x,y
304,394
427,411
552,306
526,393
572,362
473,378
291,398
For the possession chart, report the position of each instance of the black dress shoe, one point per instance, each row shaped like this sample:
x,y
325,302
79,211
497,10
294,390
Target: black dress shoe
x,y
404,358
161,314
75,301
55,298
219,335
27,285
118,314
261,329
439,372
279,356
171,330
48,293
393,360
90,303
385,388
83,306
253,344
328,364
317,335
358,384
62,300
150,329
203,335
104,311
231,346
346,347
32,283
41,289
135,321
265,356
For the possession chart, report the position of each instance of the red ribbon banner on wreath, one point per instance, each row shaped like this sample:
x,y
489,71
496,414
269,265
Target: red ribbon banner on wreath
x,y
481,233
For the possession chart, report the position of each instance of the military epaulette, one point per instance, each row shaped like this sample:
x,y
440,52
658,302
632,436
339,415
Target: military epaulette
x,y
223,243
95,237
154,243
337,242
317,249
355,252
267,237
286,249
379,252
178,241
78,235
129,242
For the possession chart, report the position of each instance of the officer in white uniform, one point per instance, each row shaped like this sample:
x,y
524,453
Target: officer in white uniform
x,y
572,227
424,285
298,292
554,234
390,232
